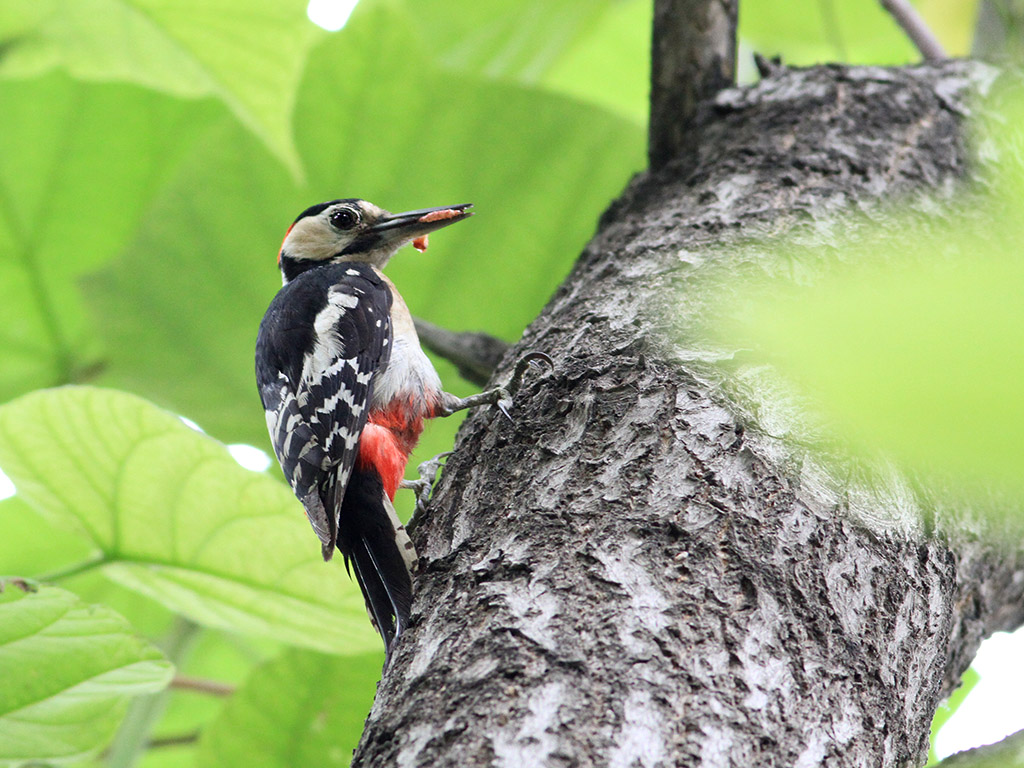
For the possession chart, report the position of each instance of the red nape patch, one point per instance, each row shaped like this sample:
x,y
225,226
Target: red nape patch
x,y
279,250
379,448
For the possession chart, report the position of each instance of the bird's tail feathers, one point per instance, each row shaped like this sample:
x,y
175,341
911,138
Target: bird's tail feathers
x,y
374,541
405,545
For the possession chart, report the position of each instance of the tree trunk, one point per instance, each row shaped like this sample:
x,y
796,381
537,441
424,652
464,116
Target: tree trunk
x,y
635,572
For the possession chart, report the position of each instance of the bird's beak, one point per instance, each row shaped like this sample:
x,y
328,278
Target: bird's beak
x,y
400,228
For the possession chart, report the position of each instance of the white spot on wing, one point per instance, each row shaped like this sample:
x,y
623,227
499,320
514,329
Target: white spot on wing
x,y
341,299
327,347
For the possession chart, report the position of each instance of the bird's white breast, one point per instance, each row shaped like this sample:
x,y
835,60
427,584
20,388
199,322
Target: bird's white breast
x,y
409,375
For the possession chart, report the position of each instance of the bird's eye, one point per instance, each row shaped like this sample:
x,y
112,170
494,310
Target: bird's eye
x,y
344,218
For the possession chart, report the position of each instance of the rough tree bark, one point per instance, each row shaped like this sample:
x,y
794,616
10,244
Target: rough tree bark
x,y
636,572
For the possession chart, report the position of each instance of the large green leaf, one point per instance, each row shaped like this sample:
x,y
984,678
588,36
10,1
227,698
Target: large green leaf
x,y
176,518
374,120
610,65
923,361
36,545
540,169
514,39
78,164
301,710
68,671
181,307
31,543
596,51
221,656
248,53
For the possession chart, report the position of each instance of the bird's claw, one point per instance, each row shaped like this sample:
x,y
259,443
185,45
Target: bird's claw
x,y
504,402
501,395
424,484
523,364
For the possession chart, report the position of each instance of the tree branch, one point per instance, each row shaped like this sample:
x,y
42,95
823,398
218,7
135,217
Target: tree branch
x,y
179,740
910,21
475,355
202,685
997,34
693,48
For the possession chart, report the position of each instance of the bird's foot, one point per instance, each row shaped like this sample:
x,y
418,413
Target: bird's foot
x,y
501,395
527,362
424,485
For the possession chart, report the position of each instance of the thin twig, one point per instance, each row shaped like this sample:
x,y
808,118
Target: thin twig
x,y
133,735
202,685
475,354
174,741
910,21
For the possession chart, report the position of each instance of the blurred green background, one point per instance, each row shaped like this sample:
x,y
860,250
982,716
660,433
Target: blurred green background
x,y
152,153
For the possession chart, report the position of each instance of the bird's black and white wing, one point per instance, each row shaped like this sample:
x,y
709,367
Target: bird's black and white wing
x,y
323,337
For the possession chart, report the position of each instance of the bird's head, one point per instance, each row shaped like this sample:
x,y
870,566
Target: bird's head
x,y
355,230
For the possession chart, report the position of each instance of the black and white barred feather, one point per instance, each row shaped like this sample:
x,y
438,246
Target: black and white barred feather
x,y
317,402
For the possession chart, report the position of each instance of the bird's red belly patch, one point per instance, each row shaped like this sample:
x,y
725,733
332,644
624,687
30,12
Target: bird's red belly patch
x,y
378,448
388,438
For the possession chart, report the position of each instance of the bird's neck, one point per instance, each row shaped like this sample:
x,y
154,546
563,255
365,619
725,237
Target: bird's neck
x,y
292,267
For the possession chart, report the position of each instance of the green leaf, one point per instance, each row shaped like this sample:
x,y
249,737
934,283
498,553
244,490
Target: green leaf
x,y
220,656
181,308
69,670
177,519
914,344
595,51
924,362
610,65
298,711
249,54
33,544
78,165
36,545
513,39
515,152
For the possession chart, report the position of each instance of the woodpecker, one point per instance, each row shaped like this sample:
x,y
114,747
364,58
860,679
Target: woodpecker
x,y
346,388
